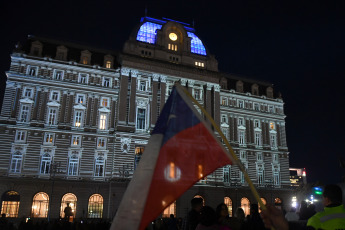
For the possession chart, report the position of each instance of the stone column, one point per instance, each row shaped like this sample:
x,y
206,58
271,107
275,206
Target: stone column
x,y
16,101
132,96
36,103
113,113
88,110
248,132
123,96
43,105
63,107
154,99
95,111
217,104
70,107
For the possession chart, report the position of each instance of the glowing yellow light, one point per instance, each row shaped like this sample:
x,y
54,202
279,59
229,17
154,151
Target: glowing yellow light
x,y
172,170
200,171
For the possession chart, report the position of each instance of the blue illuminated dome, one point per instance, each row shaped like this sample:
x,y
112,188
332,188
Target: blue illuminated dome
x,y
148,33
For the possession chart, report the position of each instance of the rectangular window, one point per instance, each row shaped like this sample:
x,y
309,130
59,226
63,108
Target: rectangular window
x,y
241,103
80,99
108,64
273,141
73,164
16,162
45,164
55,96
28,92
106,82
142,85
48,138
83,78
103,121
272,125
224,101
243,156
20,136
276,179
99,167
271,109
259,156
240,121
275,158
105,102
241,137
226,174
32,70
139,150
25,113
256,123
141,117
78,118
76,140
52,114
257,106
260,178
58,75
257,139
10,208
101,142
197,94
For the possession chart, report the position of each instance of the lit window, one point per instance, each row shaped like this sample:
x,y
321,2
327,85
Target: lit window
x,y
40,205
83,78
106,82
10,204
103,121
80,99
108,64
28,92
170,210
73,163
55,95
76,140
46,160
245,205
138,154
16,162
58,75
85,60
48,138
71,200
99,167
95,206
52,114
25,113
20,136
228,203
105,102
272,125
78,118
172,47
141,119
101,142
200,64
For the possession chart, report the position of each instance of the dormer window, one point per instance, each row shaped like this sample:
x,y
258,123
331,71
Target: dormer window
x,y
108,61
61,53
36,49
108,64
172,47
239,86
85,57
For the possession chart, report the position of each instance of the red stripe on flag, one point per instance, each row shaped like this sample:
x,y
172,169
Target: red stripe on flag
x,y
184,159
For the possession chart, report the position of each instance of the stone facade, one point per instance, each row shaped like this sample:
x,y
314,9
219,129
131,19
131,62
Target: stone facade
x,y
75,121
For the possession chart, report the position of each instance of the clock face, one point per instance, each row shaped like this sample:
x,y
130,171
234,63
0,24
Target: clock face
x,y
173,36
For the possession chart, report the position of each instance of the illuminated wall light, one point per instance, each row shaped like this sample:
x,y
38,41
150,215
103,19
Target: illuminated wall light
x,y
172,170
200,171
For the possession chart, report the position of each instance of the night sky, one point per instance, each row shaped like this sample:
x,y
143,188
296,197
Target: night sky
x,y
299,47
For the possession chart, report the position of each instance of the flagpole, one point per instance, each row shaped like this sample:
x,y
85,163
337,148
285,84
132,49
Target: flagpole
x,y
237,161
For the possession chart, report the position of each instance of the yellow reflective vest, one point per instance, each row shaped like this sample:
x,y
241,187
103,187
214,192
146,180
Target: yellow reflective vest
x,y
329,218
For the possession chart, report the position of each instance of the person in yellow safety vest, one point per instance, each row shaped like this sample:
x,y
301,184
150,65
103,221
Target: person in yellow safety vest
x,y
333,216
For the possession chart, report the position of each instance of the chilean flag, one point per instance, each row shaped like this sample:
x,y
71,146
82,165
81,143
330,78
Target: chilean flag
x,y
181,151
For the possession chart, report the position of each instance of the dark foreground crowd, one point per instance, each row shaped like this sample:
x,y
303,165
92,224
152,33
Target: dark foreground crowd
x,y
206,218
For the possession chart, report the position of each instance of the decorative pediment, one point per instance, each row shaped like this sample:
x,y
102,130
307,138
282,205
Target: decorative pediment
x,y
104,110
53,103
26,100
79,106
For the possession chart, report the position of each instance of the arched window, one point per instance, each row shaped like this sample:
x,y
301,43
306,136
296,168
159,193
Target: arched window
x,y
228,203
95,207
264,202
203,200
245,205
71,199
40,205
171,209
10,203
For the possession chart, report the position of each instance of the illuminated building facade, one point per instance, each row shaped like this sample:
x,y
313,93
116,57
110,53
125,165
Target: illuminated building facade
x,y
75,122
